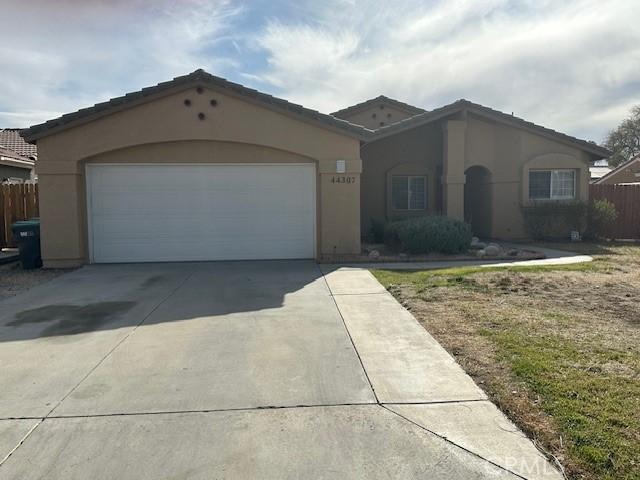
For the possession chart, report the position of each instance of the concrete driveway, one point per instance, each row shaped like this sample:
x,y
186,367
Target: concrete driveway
x,y
238,370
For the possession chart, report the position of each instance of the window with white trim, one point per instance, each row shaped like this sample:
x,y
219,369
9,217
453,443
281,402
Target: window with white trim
x,y
552,184
409,192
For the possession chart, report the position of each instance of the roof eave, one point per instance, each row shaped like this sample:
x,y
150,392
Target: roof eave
x,y
619,168
99,110
409,109
461,105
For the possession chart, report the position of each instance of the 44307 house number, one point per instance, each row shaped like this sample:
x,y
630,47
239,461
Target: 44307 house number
x,y
343,179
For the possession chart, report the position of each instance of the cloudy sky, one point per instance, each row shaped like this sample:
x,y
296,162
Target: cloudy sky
x,y
571,65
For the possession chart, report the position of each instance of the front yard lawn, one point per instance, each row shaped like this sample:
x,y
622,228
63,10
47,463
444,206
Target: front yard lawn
x,y
557,348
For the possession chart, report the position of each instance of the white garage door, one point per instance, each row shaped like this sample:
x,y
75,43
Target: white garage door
x,y
156,213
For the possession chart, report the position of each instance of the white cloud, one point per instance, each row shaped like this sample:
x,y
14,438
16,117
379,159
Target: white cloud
x,y
573,66
70,54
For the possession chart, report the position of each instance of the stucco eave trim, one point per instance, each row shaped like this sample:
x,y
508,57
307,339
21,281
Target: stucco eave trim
x,y
199,77
465,106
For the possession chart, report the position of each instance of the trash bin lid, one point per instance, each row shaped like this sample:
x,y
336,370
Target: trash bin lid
x,y
33,224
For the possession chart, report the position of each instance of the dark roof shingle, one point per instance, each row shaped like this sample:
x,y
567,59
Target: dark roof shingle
x,y
34,132
411,109
462,104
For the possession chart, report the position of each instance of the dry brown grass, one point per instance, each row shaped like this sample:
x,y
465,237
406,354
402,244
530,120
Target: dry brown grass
x,y
557,348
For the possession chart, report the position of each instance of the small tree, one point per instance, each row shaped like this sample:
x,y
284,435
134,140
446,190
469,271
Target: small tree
x,y
624,141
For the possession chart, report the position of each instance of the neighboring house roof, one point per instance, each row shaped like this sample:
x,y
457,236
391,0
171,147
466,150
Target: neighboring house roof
x,y
14,159
410,109
619,168
84,115
10,138
481,110
598,172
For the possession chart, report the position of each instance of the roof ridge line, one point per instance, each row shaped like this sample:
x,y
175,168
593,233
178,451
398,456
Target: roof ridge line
x,y
32,133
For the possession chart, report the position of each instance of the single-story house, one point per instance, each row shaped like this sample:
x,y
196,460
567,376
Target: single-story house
x,y
200,168
467,161
14,167
627,173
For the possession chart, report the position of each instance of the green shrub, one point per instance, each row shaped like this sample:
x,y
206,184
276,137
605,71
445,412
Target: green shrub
x,y
376,231
428,234
544,220
602,214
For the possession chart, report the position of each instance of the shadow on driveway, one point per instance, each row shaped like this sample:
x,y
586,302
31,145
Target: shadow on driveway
x,y
102,297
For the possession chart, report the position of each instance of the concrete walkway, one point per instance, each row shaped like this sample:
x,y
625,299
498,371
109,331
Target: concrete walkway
x,y
553,257
238,370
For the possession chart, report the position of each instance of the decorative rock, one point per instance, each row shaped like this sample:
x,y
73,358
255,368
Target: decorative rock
x,y
480,253
492,250
477,246
374,254
492,244
474,240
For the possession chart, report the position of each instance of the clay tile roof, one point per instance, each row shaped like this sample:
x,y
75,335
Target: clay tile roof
x,y
14,158
374,101
462,104
85,114
10,138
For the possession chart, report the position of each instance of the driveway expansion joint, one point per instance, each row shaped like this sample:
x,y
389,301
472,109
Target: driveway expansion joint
x,y
353,344
447,440
212,410
48,415
24,438
124,339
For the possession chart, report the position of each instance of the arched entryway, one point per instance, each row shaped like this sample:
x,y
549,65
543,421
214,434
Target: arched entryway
x,y
477,200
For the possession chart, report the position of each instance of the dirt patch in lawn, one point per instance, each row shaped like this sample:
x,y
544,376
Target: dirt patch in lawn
x,y
557,348
15,280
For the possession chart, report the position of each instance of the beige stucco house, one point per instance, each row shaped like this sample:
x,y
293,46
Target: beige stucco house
x,y
199,168
469,162
627,173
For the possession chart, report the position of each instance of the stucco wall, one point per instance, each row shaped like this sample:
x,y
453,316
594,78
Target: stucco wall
x,y
507,152
413,152
373,116
164,130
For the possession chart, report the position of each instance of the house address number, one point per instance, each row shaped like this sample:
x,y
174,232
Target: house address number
x,y
343,179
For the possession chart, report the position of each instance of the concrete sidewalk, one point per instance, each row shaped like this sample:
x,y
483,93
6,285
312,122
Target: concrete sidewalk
x,y
238,370
413,376
553,257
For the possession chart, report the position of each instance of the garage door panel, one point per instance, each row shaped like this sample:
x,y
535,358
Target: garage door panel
x,y
203,212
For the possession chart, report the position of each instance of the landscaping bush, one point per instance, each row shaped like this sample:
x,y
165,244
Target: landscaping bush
x,y
376,231
428,234
602,214
552,220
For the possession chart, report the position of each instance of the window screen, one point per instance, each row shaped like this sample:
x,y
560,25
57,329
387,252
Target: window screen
x,y
409,192
552,184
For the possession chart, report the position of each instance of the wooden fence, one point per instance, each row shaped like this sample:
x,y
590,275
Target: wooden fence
x,y
17,202
626,198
